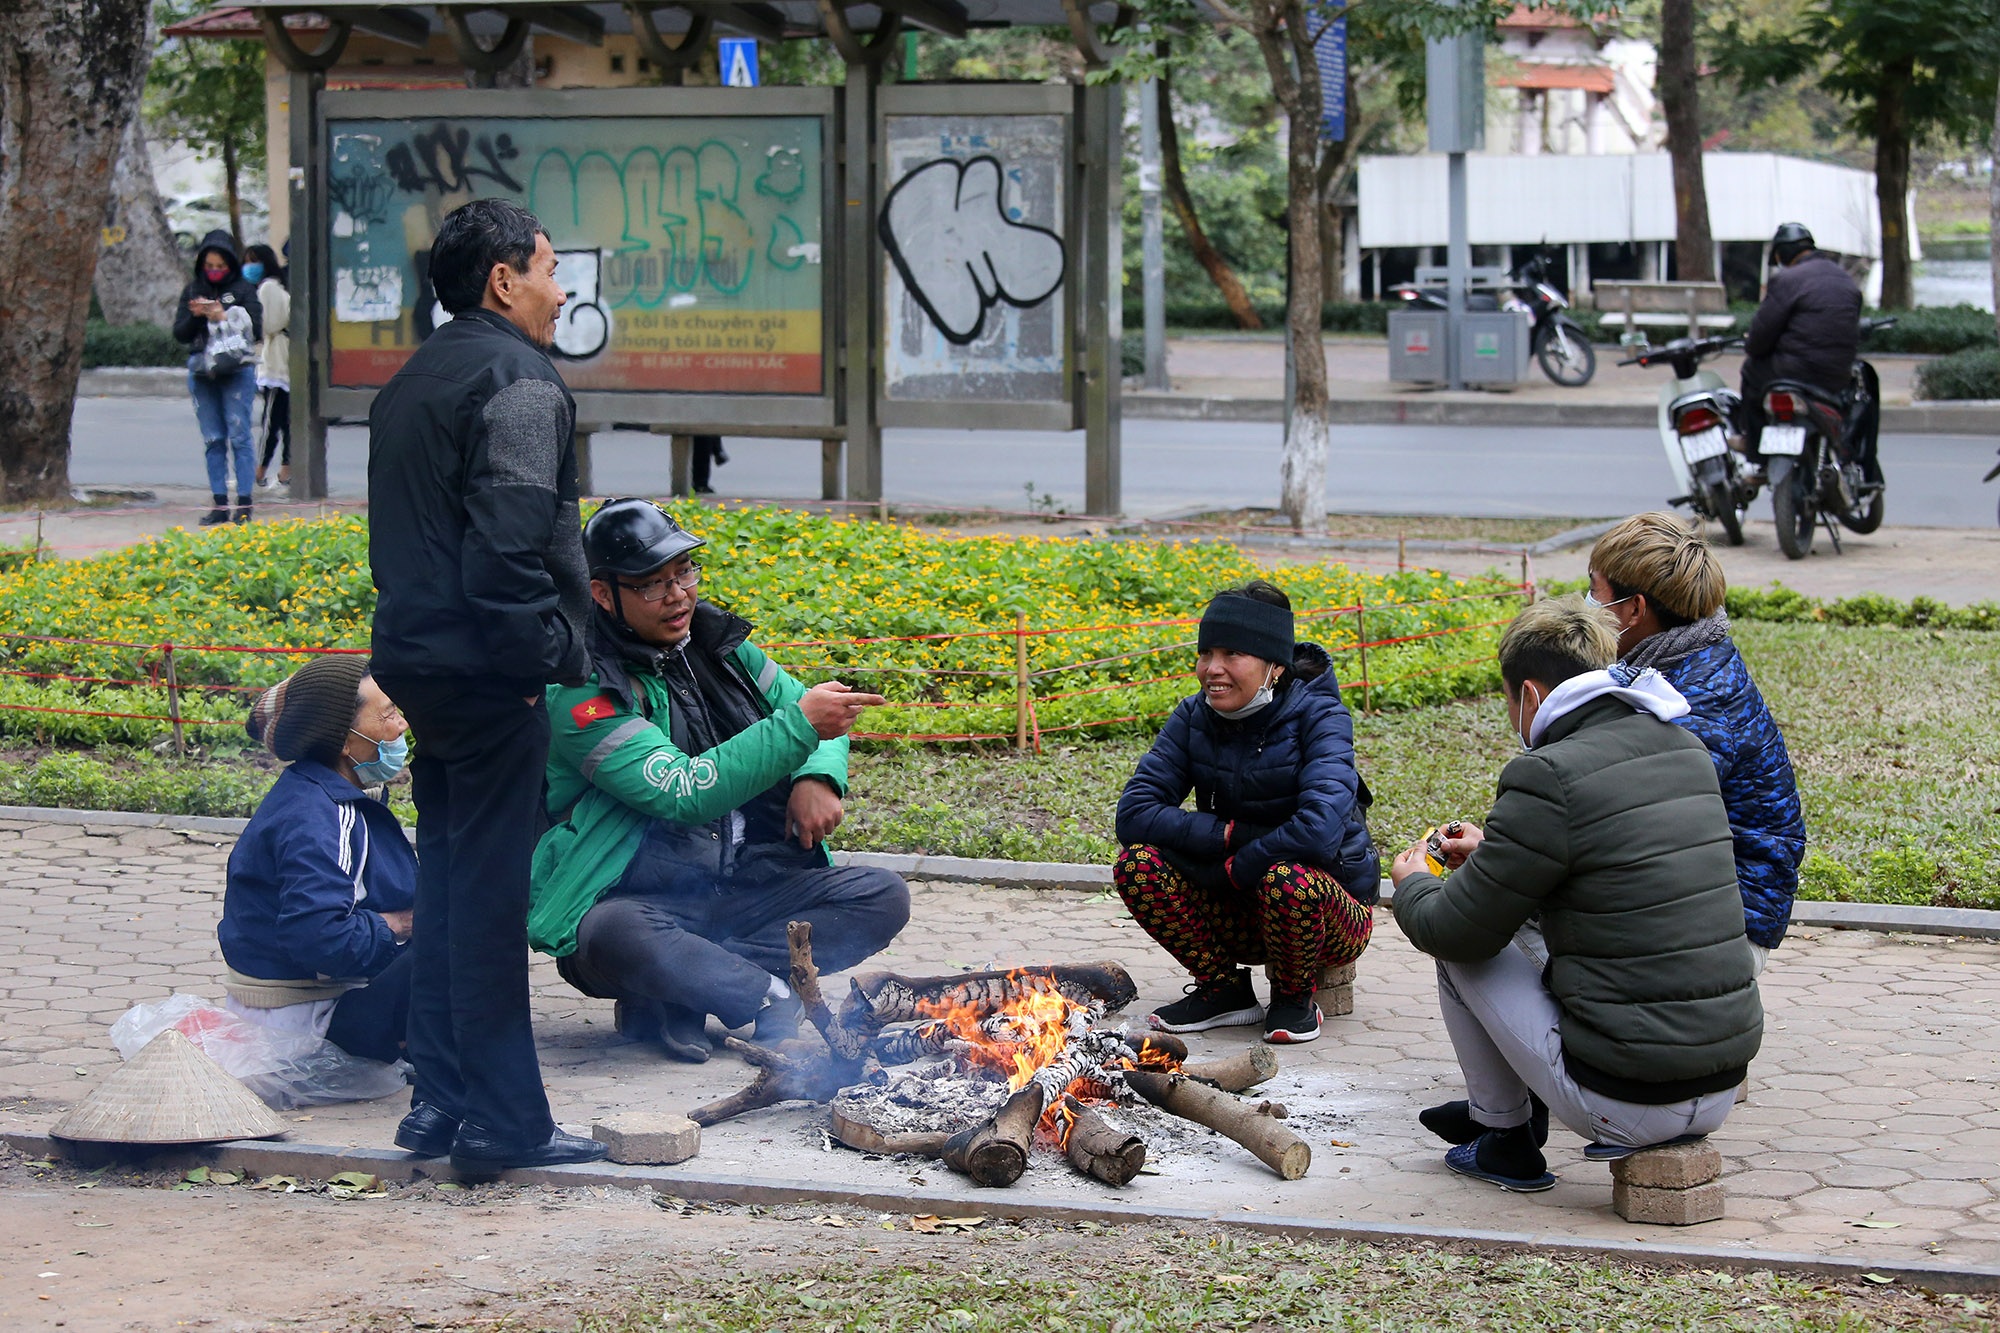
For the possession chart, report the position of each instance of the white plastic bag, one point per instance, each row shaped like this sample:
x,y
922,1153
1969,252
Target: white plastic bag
x,y
287,1069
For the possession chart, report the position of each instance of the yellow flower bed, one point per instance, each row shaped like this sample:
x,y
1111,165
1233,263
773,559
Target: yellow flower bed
x,y
941,611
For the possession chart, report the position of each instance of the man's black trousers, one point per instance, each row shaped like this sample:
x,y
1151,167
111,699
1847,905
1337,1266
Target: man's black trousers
x,y
477,766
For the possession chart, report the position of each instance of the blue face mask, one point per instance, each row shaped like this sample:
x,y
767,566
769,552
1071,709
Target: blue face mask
x,y
390,756
253,271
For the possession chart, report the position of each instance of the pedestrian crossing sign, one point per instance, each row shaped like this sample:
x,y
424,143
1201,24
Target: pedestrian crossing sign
x,y
738,61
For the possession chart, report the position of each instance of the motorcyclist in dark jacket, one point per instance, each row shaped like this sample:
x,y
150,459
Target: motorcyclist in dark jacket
x,y
1808,328
218,297
1274,864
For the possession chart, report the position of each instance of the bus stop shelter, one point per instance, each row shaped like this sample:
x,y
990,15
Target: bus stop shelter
x,y
805,262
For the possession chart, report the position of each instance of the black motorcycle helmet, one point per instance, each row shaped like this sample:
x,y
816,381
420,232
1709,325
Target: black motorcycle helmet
x,y
1791,241
630,537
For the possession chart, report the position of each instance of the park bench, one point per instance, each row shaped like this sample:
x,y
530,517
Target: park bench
x,y
1635,305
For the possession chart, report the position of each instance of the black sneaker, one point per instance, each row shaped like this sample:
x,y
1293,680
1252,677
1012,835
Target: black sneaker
x,y
214,516
778,1021
1292,1019
1227,1002
241,514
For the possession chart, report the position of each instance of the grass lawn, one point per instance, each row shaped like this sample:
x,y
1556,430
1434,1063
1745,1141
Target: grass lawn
x,y
1155,1278
1895,735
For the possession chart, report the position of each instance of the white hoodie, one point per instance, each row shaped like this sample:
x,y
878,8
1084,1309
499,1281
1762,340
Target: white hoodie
x,y
1647,691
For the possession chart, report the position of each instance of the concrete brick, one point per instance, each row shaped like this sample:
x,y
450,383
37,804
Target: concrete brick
x,y
1675,1167
1342,975
1335,1001
1667,1208
648,1138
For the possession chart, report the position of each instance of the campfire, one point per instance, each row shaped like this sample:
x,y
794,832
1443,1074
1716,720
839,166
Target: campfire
x,y
1027,1042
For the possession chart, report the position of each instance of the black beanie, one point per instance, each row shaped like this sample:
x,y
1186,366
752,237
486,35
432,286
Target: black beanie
x,y
1243,624
307,714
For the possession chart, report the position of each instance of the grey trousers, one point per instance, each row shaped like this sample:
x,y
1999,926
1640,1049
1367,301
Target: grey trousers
x,y
1505,1028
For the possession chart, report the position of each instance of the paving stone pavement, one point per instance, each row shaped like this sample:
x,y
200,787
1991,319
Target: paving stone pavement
x,y
1873,1101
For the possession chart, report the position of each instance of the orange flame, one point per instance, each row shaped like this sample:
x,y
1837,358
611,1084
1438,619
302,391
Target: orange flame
x,y
1021,1036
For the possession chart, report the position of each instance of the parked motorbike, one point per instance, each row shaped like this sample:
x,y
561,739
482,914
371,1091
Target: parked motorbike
x,y
1698,414
1820,455
1561,349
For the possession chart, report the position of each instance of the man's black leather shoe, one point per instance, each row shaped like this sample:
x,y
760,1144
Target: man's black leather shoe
x,y
477,1152
426,1131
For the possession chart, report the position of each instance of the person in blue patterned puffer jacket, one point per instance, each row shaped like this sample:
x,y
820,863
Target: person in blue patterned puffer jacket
x,y
1666,589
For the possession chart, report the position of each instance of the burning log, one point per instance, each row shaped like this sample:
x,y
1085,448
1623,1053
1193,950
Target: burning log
x,y
996,1153
1270,1142
1095,1148
1156,1050
781,1077
877,999
1245,1069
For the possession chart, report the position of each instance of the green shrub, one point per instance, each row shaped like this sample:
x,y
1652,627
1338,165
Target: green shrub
x,y
1948,871
1132,354
1785,606
1974,373
1933,329
130,345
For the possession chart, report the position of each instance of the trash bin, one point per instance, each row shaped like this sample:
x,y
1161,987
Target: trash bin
x,y
1493,346
1417,347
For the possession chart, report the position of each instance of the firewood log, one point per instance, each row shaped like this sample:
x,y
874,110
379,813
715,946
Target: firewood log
x,y
876,999
1165,1043
782,1076
996,1152
1096,1149
1233,1073
856,1134
1270,1142
848,1047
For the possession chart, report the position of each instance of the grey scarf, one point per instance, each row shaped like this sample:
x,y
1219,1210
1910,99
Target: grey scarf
x,y
1671,645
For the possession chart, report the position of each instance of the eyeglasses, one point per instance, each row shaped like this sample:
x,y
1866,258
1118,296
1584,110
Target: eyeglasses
x,y
655,590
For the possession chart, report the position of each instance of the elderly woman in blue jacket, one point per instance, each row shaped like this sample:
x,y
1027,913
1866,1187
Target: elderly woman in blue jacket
x,y
1274,864
1665,587
317,908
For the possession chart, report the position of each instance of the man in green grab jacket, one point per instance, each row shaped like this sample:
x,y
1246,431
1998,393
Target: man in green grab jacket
x,y
693,784
1632,1013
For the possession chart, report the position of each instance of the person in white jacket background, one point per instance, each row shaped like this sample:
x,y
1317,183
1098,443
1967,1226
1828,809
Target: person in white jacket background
x,y
274,365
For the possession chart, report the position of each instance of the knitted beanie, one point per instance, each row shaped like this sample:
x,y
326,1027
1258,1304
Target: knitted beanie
x,y
1246,625
307,714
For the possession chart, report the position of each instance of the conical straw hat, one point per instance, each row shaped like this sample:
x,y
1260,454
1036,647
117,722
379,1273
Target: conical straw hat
x,y
170,1092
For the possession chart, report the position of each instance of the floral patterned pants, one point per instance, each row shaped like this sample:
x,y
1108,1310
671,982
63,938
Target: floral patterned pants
x,y
1297,921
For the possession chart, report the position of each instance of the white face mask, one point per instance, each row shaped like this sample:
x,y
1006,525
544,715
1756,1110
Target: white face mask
x,y
1258,701
1527,724
1590,599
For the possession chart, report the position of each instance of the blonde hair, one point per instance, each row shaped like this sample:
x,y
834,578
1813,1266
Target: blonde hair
x,y
1555,639
1665,561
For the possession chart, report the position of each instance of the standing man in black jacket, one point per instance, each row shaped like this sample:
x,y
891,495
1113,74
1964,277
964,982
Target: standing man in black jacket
x,y
1808,328
483,596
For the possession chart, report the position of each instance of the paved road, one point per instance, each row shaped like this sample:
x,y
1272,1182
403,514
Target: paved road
x,y
1169,465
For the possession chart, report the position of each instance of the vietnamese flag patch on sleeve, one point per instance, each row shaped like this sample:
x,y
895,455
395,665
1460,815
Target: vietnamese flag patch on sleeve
x,y
594,709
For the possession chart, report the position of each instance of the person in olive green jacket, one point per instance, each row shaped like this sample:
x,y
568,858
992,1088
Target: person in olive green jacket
x,y
693,784
1632,1013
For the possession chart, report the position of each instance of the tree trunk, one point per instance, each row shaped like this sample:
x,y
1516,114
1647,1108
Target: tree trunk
x,y
139,271
70,72
1892,182
232,191
1175,185
1288,53
1680,99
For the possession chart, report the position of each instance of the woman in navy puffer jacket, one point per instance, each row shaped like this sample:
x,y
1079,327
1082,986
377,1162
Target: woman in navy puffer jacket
x,y
1666,589
1274,864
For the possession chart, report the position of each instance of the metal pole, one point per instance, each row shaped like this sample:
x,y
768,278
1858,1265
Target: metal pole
x,y
1102,323
859,288
1153,259
1458,258
309,285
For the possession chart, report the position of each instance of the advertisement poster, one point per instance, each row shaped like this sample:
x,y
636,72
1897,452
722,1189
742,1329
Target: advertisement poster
x,y
690,248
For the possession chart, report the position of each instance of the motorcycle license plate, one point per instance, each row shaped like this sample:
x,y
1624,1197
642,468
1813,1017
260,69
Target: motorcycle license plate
x,y
1704,445
1783,440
